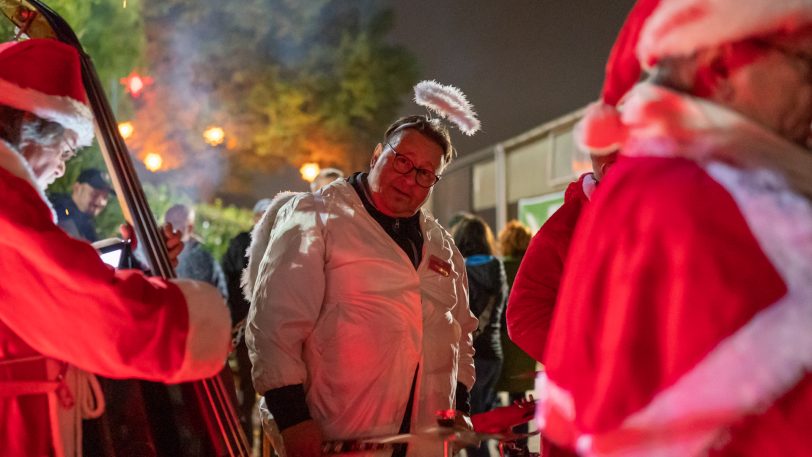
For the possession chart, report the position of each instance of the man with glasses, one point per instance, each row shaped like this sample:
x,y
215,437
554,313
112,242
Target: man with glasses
x,y
63,313
359,324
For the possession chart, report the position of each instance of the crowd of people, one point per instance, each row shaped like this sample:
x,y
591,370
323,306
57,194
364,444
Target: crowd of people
x,y
669,300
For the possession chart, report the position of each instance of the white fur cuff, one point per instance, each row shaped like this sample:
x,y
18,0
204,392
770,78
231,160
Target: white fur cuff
x,y
209,338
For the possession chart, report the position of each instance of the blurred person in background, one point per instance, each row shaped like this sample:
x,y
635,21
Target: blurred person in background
x,y
194,262
326,176
234,262
518,368
89,195
487,292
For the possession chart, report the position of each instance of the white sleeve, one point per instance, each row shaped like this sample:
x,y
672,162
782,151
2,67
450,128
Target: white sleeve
x,y
287,297
468,325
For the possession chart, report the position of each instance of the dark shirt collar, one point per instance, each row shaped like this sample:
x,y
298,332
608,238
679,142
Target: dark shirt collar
x,y
359,183
405,231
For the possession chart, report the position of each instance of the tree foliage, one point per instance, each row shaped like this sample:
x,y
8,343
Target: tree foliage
x,y
289,82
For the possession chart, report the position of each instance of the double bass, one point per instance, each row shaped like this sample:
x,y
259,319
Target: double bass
x,y
191,419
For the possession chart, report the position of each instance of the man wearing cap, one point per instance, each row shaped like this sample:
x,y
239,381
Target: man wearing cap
x,y
88,198
682,325
63,312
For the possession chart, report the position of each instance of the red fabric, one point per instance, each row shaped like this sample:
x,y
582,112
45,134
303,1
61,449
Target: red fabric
x,y
662,268
58,299
534,291
622,67
21,63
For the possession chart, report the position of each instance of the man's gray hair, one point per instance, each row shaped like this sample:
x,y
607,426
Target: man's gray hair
x,y
179,216
19,128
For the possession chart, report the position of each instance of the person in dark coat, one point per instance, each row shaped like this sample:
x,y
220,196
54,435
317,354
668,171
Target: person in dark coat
x,y
76,212
194,262
234,262
487,288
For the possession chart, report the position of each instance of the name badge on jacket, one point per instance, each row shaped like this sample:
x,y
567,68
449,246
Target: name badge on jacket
x,y
440,266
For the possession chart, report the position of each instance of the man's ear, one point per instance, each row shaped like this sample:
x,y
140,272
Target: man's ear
x,y
376,154
75,187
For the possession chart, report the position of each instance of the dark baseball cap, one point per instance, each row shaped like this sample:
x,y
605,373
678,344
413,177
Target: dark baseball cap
x,y
97,179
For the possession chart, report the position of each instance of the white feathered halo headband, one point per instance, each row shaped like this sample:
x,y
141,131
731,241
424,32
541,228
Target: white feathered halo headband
x,y
449,103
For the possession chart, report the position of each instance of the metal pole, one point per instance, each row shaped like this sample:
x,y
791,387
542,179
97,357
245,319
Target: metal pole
x,y
500,181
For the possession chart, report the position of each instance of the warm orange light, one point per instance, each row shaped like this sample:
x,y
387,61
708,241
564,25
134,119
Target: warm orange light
x,y
126,129
214,136
134,83
309,171
153,161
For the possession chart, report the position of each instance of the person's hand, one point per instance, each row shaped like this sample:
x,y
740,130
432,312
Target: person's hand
x,y
462,422
128,234
303,439
174,245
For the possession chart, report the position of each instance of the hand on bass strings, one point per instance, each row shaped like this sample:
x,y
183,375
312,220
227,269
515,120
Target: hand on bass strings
x,y
303,440
174,245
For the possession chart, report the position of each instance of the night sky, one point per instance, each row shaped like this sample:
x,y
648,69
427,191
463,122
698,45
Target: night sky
x,y
521,62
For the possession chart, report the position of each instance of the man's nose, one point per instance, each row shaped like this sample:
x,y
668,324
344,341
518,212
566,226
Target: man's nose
x,y
59,171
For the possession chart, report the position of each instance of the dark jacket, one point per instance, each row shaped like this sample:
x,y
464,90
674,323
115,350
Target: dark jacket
x,y
195,262
487,290
234,262
76,223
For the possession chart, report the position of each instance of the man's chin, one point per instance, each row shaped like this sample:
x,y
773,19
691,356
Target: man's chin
x,y
46,181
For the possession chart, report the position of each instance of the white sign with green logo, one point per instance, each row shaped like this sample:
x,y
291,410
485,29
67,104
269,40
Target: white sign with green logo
x,y
534,211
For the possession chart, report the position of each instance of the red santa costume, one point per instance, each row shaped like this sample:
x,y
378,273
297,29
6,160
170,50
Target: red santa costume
x,y
62,311
535,289
683,321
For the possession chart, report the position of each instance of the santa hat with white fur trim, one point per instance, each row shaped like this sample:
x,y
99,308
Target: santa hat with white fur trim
x,y
44,78
656,29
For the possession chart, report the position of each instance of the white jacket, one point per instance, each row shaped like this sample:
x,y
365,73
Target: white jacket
x,y
338,306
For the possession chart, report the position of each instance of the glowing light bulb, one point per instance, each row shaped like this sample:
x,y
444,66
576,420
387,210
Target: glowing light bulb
x,y
153,161
126,129
309,171
214,135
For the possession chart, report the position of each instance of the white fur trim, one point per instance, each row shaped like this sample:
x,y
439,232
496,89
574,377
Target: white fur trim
x,y
589,185
766,357
756,365
680,27
15,163
448,102
209,338
70,113
549,397
260,238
